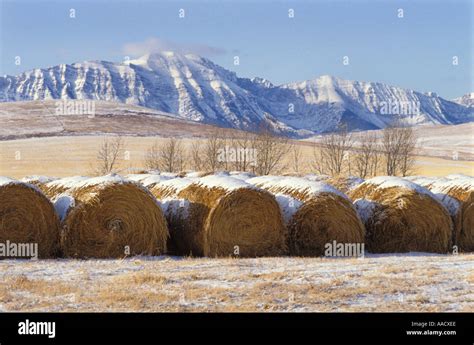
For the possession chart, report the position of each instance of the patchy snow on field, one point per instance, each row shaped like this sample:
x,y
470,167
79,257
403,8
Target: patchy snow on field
x,y
389,282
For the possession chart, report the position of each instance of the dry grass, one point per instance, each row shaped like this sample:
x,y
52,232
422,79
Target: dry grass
x,y
430,283
76,155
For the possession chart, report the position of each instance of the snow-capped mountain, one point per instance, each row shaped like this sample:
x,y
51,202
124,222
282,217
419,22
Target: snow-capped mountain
x,y
196,89
467,100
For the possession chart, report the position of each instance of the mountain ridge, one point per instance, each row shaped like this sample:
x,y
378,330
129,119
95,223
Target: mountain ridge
x,y
197,89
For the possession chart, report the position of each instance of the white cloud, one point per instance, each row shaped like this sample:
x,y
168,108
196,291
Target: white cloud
x,y
156,44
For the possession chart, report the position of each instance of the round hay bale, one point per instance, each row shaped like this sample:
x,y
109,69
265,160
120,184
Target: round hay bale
x,y
226,216
27,216
316,214
457,194
402,217
111,217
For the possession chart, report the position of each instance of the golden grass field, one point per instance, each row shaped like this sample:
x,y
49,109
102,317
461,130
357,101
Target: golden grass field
x,y
76,155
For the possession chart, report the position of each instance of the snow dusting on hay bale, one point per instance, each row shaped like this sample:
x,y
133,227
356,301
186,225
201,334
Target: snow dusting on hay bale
x,y
27,216
424,181
170,188
317,178
179,213
148,180
194,174
56,187
111,217
227,216
242,175
38,181
316,214
457,194
238,218
344,184
401,216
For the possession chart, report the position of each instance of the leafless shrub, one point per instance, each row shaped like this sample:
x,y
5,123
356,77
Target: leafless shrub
x,y
367,157
196,155
296,157
214,143
108,155
244,143
270,149
331,157
399,144
168,156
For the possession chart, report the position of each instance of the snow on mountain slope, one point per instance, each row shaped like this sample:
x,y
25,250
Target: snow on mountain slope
x,y
467,100
323,103
194,88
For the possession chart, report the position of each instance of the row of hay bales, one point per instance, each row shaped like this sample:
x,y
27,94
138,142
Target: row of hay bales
x,y
234,214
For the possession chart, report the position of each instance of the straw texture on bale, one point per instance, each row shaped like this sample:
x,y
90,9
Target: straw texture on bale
x,y
225,217
56,187
170,188
405,217
27,216
344,184
112,217
461,190
38,181
322,216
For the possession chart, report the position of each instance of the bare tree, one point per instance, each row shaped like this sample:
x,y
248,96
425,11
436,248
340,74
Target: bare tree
x,y
108,154
196,155
270,150
375,160
399,145
245,152
390,149
407,151
366,156
330,157
168,156
296,157
212,148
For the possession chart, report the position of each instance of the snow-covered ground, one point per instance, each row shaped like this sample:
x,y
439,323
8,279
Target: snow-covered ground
x,y
396,282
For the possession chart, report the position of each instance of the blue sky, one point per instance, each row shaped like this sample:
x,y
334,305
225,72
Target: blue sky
x,y
413,52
